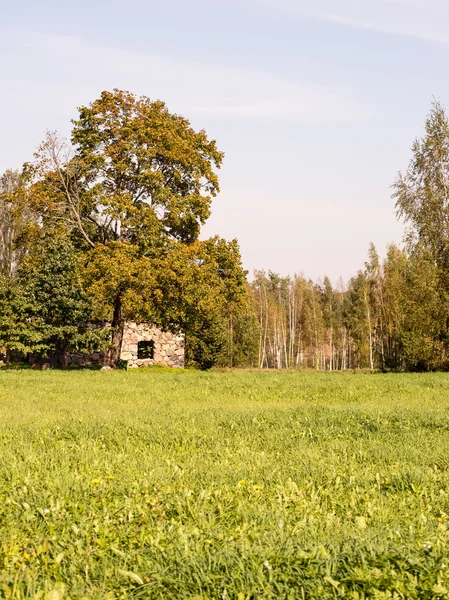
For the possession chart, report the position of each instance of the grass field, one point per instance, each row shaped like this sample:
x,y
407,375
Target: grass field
x,y
156,484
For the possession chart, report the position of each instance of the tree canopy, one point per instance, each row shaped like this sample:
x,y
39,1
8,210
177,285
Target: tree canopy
x,y
422,192
137,173
131,193
107,227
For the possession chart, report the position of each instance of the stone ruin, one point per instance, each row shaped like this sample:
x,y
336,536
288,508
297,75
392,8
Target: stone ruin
x,y
143,345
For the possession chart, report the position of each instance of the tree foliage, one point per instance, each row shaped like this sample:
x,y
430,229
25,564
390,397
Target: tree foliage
x,y
131,193
108,228
422,192
45,310
138,173
17,221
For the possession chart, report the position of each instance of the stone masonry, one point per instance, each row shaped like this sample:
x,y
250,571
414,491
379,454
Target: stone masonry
x,y
168,348
143,345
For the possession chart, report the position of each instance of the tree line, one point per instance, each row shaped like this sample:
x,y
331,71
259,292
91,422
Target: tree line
x,y
107,227
392,315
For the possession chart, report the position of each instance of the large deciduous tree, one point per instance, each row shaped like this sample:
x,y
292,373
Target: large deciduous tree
x,y
422,192
133,191
422,200
138,173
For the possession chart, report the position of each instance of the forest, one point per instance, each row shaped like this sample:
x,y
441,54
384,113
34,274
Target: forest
x,y
107,226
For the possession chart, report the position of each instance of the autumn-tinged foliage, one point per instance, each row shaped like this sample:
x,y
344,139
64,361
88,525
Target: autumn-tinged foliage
x,y
131,194
129,197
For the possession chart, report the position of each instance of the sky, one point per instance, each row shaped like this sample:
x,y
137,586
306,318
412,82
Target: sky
x,y
315,103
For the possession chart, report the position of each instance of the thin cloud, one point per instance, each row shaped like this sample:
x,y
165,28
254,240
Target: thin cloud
x,y
45,77
69,64
422,19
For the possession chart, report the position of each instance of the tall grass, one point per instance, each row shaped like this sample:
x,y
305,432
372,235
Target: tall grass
x,y
157,484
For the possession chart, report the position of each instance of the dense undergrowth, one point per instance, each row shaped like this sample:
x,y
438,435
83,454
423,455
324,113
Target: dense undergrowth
x,y
156,484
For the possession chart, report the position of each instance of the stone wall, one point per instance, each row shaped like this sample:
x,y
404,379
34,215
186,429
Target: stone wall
x,y
79,359
167,348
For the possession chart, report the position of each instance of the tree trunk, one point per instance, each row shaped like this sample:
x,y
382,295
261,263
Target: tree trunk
x,y
61,356
117,335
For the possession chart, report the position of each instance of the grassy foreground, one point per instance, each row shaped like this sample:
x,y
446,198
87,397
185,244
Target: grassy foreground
x,y
156,484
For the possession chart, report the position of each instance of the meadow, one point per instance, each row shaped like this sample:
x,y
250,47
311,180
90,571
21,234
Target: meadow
x,y
223,485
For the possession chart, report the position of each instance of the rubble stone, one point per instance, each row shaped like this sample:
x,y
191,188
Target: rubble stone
x,y
168,348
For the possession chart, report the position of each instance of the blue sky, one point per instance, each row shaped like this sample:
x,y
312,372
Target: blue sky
x,y
314,102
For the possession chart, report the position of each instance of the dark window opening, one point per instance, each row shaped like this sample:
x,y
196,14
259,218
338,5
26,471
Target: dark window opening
x,y
145,350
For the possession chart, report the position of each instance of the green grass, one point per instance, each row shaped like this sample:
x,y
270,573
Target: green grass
x,y
156,484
